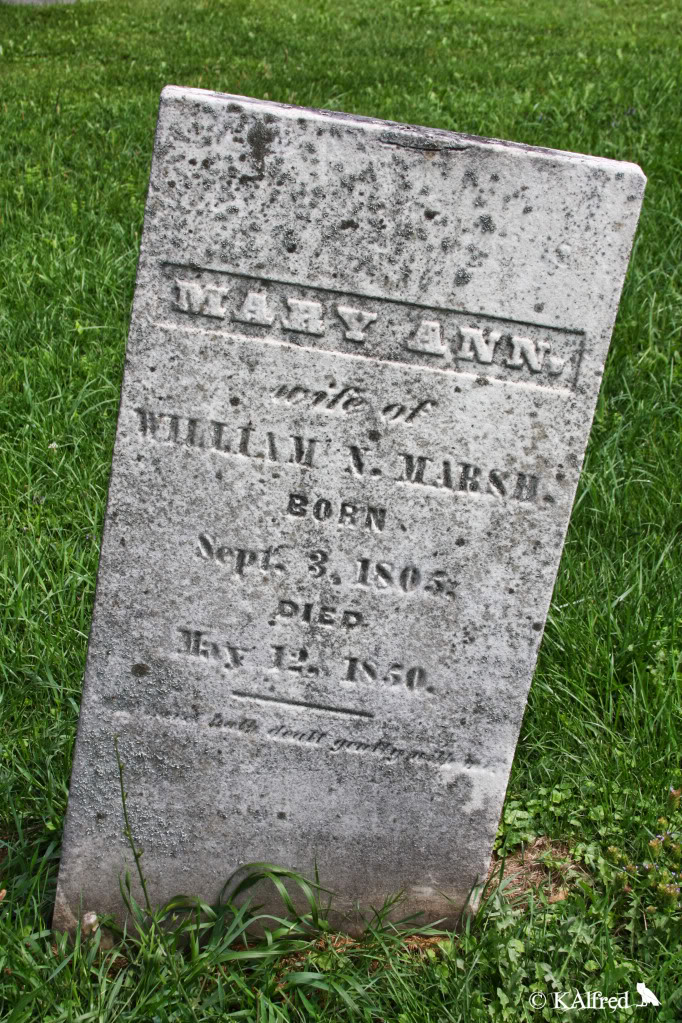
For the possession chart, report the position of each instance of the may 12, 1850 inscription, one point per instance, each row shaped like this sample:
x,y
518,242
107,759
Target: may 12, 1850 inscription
x,y
362,364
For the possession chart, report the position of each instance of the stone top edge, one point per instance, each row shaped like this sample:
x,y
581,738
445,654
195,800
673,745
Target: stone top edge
x,y
409,136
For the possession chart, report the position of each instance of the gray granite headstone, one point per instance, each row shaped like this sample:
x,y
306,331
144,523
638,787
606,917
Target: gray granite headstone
x,y
361,371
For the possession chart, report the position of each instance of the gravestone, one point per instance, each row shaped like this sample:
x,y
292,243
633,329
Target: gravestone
x,y
362,365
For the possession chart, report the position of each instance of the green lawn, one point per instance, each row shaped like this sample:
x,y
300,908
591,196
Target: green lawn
x,y
602,738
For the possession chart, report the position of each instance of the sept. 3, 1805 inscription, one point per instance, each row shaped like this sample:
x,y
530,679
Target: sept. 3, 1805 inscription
x,y
362,364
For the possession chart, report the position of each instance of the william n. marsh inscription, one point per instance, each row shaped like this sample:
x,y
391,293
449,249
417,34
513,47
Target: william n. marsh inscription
x,y
362,364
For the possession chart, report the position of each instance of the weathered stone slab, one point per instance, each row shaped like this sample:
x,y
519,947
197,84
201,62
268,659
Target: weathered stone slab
x,y
362,366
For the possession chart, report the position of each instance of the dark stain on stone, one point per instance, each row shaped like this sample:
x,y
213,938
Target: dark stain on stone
x,y
430,214
486,222
461,788
259,138
345,225
140,670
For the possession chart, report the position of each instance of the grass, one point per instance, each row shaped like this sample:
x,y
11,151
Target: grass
x,y
601,741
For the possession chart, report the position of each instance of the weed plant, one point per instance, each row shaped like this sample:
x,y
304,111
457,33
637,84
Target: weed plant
x,y
600,746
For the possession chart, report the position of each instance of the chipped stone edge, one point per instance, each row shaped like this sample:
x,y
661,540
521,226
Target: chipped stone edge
x,y
409,136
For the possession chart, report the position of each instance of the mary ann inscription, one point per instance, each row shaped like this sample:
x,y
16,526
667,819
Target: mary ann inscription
x,y
362,364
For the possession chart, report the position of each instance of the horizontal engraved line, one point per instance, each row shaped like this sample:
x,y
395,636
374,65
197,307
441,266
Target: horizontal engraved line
x,y
372,297
534,385
302,703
